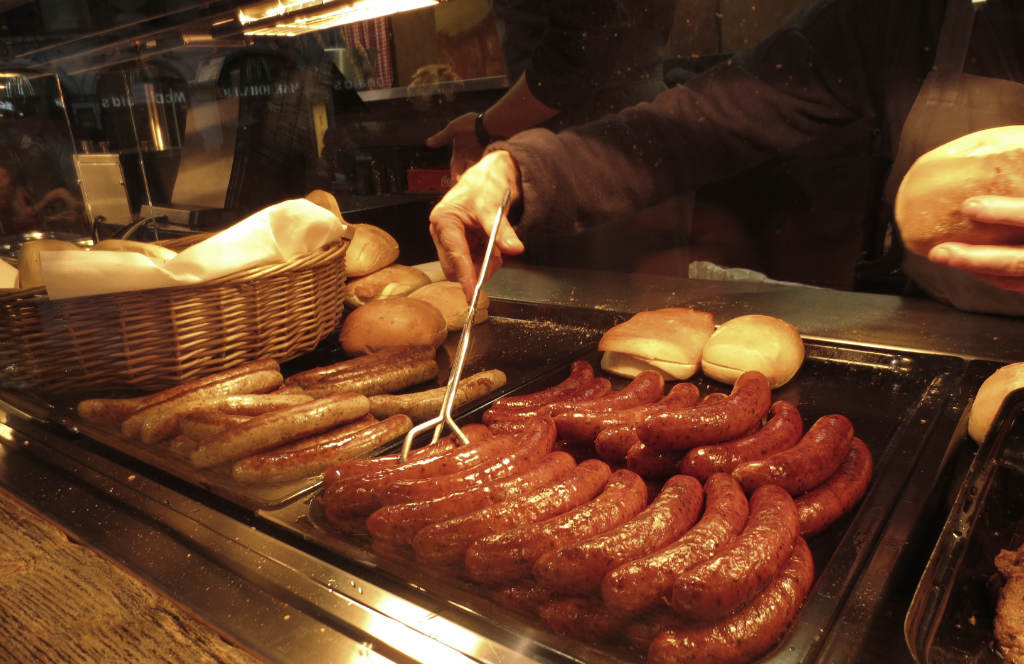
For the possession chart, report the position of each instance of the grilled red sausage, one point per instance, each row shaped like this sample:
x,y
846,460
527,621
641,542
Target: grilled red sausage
x,y
617,430
652,463
475,432
805,465
782,431
580,568
644,628
717,587
822,506
642,583
522,596
711,422
492,467
581,373
750,632
580,421
399,523
585,618
445,543
614,443
509,555
360,495
512,418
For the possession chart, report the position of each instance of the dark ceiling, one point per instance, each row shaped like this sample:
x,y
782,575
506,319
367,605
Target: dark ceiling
x,y
67,35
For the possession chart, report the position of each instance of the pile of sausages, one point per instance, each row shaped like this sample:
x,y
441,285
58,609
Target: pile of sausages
x,y
708,565
274,430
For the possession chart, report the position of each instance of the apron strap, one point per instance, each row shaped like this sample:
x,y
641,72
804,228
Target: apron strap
x,y
951,50
882,249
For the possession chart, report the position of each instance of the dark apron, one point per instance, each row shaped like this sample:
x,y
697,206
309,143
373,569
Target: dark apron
x,y
949,105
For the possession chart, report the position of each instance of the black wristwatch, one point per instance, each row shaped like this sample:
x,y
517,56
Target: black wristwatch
x,y
482,137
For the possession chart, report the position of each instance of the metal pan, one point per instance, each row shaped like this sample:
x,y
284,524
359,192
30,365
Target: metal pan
x,y
892,397
525,348
950,618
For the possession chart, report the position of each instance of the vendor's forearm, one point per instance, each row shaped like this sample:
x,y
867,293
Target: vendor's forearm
x,y
517,110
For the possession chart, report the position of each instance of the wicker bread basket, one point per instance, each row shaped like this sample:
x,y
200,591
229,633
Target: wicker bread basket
x,y
152,339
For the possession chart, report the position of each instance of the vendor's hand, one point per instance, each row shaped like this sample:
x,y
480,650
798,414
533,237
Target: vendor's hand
x,y
461,133
461,222
1000,265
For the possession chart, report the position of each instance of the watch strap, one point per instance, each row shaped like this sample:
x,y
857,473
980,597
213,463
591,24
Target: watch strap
x,y
482,137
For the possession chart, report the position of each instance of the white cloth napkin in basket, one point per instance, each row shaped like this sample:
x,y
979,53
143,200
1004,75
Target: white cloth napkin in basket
x,y
273,235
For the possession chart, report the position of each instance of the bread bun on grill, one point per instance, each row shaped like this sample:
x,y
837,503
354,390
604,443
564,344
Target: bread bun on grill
x,y
395,321
990,397
668,340
391,281
450,300
927,206
753,343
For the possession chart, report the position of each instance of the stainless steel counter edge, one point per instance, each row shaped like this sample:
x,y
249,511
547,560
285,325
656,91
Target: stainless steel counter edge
x,y
280,601
887,321
271,598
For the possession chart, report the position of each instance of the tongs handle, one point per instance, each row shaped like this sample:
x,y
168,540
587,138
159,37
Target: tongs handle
x,y
445,416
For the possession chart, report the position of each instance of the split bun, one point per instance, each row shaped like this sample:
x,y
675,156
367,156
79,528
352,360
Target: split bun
x,y
753,343
668,340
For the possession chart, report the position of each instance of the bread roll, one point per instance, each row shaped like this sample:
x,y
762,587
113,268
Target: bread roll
x,y
392,281
450,300
30,271
753,343
326,200
990,397
155,251
927,206
396,321
371,249
667,340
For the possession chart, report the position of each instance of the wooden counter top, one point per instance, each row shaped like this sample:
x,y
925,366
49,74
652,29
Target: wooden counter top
x,y
64,603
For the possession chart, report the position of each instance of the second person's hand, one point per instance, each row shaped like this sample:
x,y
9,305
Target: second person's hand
x,y
461,134
999,265
461,222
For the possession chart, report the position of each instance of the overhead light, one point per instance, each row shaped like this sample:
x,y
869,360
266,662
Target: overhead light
x,y
287,19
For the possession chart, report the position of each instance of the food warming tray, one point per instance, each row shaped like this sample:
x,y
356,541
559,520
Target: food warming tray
x,y
523,342
895,399
951,616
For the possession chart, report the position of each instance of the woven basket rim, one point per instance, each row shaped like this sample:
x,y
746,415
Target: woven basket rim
x,y
312,258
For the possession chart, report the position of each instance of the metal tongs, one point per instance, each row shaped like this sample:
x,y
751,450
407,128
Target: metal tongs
x,y
445,416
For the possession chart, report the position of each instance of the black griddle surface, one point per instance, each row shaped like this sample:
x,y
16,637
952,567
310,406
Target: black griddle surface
x,y
893,398
951,617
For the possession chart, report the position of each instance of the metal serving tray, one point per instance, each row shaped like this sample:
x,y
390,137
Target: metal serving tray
x,y
524,346
951,616
894,399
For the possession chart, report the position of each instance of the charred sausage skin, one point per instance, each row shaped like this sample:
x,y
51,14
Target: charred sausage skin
x,y
748,633
719,586
807,464
783,430
710,422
